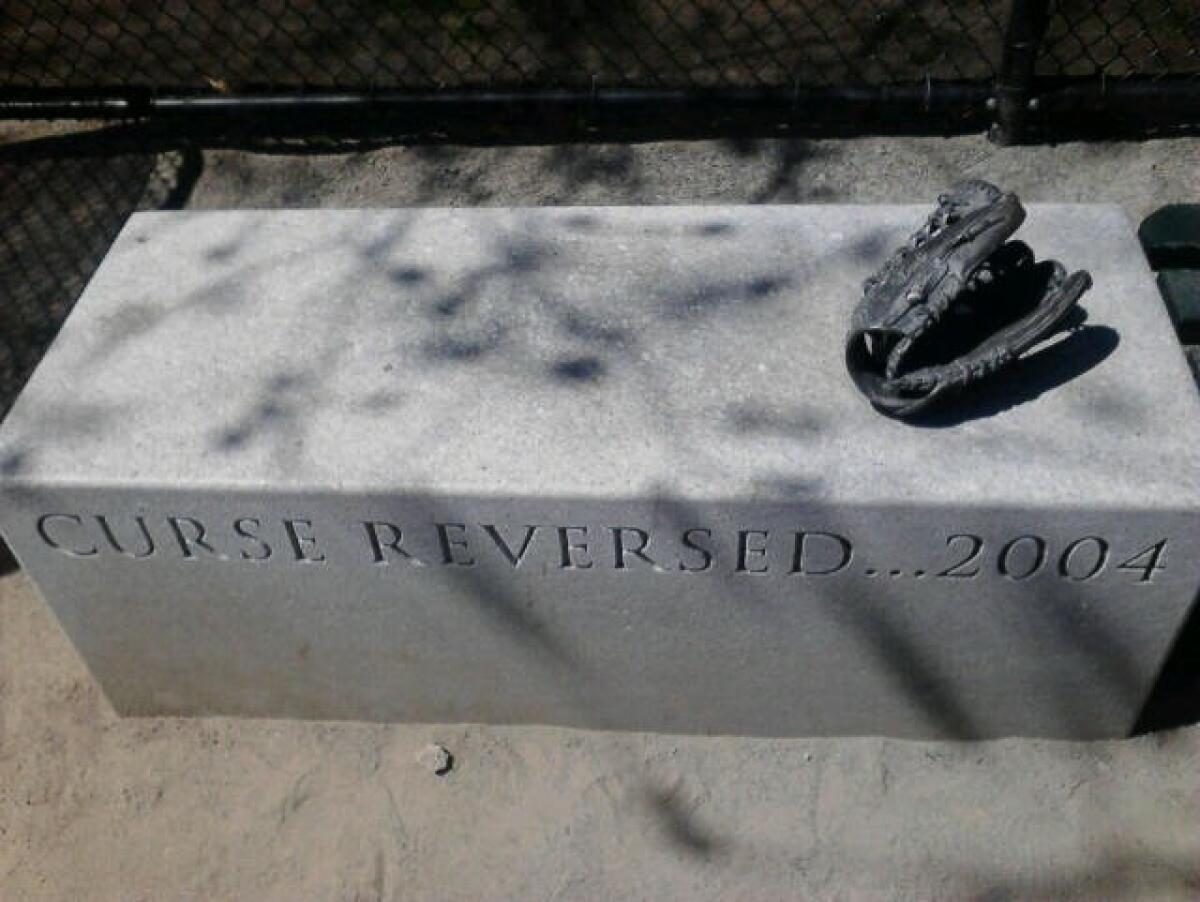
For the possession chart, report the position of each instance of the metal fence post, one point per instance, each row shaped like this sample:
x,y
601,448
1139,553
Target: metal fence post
x,y
1014,98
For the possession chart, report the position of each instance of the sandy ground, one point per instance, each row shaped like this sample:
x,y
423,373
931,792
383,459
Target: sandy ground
x,y
94,806
99,807
1140,176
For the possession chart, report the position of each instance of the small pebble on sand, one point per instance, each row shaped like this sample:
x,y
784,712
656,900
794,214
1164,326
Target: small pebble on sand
x,y
436,758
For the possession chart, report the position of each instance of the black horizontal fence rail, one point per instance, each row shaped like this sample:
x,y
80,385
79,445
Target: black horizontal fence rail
x,y
513,116
497,70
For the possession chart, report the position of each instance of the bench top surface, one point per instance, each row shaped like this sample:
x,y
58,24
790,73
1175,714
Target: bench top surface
x,y
595,352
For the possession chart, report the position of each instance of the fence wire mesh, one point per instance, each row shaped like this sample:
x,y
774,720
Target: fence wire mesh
x,y
1122,38
229,45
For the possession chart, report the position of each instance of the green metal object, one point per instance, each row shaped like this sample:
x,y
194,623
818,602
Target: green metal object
x,y
1181,292
1170,237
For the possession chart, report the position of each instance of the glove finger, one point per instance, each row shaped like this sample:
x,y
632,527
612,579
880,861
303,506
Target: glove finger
x,y
1060,297
1007,344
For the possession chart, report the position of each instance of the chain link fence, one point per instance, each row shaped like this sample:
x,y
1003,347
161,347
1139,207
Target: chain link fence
x,y
951,64
1122,39
228,46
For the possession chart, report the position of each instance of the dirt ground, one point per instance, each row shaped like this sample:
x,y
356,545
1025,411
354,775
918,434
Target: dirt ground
x,y
98,807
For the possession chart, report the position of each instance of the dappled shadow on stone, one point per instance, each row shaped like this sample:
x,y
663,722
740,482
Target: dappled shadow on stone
x,y
579,369
463,349
508,609
866,618
275,410
710,297
757,419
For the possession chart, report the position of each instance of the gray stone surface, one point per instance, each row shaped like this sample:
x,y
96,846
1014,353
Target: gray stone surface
x,y
296,374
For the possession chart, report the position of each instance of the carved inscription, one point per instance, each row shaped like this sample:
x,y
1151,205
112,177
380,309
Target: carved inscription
x,y
687,550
